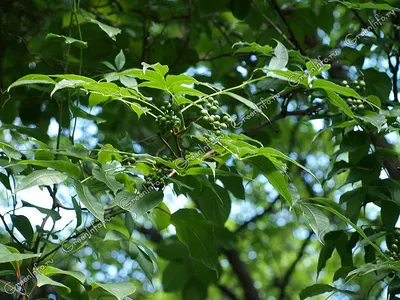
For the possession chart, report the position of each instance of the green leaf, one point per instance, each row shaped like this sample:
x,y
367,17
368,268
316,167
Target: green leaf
x,y
318,289
108,179
275,178
108,153
374,119
118,289
161,216
333,87
139,203
7,256
253,47
172,249
109,65
78,211
10,151
215,203
120,60
280,58
69,40
139,110
80,113
90,201
369,5
315,68
324,255
378,84
339,102
41,177
50,271
198,235
175,276
44,280
65,83
146,264
24,226
32,79
59,165
112,32
246,102
317,220
271,152
194,290
96,99
129,223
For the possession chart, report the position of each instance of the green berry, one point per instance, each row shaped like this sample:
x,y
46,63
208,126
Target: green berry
x,y
217,117
162,108
344,82
207,119
362,82
216,123
213,109
224,126
208,105
361,106
347,85
163,119
225,118
218,132
358,87
203,112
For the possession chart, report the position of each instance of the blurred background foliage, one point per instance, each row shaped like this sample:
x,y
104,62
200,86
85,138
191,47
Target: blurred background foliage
x,y
273,249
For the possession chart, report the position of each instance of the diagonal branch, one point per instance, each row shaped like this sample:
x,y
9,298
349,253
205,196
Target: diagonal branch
x,y
267,210
283,283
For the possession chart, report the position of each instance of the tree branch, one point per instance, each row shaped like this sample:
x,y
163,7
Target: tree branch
x,y
283,283
267,210
243,274
293,37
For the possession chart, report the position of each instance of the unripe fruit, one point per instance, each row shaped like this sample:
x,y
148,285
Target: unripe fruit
x,y
362,82
218,132
208,105
203,112
213,109
361,106
358,87
162,108
224,126
207,119
225,118
345,82
217,117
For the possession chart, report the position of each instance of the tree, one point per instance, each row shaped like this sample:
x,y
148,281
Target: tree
x,y
199,149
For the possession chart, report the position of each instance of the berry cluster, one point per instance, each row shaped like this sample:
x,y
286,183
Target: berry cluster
x,y
358,85
393,251
169,120
210,115
155,179
355,104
